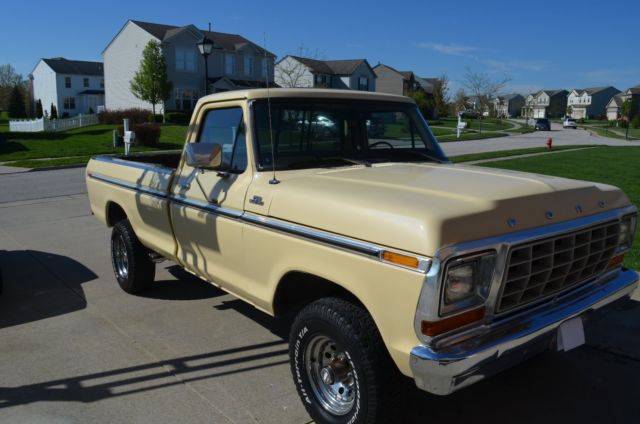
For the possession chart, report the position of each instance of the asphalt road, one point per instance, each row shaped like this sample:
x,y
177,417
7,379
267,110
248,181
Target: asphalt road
x,y
560,137
74,348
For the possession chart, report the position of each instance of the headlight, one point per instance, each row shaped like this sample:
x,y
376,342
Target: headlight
x,y
467,282
627,232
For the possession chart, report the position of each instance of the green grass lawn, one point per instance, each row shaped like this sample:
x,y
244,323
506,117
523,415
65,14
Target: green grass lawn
x,y
81,142
470,136
516,152
610,165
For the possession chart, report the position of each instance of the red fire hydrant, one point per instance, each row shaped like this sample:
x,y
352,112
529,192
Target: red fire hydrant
x,y
549,143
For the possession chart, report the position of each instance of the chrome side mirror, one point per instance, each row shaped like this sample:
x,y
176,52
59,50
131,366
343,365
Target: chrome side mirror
x,y
204,155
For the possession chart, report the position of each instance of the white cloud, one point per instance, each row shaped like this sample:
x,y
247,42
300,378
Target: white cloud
x,y
449,49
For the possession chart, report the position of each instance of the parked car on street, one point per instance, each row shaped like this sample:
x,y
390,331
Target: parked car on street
x,y
389,259
570,123
543,124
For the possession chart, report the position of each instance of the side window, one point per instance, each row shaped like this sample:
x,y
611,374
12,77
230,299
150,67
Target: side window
x,y
226,127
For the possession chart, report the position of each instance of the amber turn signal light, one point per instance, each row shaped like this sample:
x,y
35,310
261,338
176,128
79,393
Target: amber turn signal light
x,y
434,328
615,261
399,259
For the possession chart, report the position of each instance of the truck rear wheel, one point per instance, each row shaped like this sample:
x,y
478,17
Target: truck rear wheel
x,y
132,266
340,365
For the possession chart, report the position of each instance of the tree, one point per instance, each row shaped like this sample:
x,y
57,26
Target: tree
x,y
150,81
16,102
422,102
54,112
460,101
484,88
39,111
441,95
628,109
291,73
8,79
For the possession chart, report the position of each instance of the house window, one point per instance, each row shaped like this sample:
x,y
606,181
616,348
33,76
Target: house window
x,y
186,98
69,102
264,68
229,63
323,81
85,82
248,65
363,84
67,82
102,83
185,59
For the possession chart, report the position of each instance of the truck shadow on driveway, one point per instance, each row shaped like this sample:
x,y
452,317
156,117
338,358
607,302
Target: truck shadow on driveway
x,y
40,285
186,286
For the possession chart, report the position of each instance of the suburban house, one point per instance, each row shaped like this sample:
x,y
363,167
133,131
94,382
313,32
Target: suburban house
x,y
353,74
390,80
73,86
589,102
549,104
509,105
527,108
234,63
614,106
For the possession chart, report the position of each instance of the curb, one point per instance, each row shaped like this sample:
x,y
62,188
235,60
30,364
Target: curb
x,y
54,168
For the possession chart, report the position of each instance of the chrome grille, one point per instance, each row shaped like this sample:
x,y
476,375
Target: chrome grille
x,y
538,269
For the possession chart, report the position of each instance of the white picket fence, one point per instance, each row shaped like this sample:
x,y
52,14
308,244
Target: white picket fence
x,y
53,125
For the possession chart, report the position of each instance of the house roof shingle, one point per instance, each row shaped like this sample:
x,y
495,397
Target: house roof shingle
x,y
61,65
230,42
333,67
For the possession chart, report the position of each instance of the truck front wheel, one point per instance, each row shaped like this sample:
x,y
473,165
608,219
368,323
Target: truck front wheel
x,y
340,365
132,266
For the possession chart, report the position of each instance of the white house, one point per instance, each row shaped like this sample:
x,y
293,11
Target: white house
x,y
354,74
589,103
73,86
235,63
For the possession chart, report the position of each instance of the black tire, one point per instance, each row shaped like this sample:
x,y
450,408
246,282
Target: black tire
x,y
136,271
373,383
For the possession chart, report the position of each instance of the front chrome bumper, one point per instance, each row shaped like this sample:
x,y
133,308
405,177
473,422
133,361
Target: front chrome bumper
x,y
506,343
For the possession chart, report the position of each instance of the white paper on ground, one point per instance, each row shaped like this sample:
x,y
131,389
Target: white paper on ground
x,y
570,334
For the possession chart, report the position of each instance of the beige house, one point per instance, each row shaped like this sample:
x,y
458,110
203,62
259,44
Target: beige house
x,y
508,105
549,104
614,107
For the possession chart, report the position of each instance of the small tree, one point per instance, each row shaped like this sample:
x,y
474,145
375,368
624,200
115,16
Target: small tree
x,y
441,96
150,81
291,73
39,111
420,98
16,103
54,112
9,78
484,88
460,101
628,108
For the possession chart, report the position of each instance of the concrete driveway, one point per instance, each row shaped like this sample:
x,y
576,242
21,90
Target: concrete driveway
x,y
74,348
560,137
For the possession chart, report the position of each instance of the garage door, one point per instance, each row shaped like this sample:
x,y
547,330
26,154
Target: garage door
x,y
538,113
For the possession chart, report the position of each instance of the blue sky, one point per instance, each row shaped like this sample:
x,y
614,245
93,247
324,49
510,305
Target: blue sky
x,y
541,44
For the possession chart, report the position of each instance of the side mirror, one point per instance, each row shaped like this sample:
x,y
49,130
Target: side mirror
x,y
204,155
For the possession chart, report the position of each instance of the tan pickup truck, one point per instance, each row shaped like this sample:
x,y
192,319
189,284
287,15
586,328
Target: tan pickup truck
x,y
340,209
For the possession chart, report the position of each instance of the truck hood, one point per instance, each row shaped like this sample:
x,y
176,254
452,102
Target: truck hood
x,y
421,207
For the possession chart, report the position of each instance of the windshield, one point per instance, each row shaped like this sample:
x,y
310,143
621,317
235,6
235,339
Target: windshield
x,y
309,133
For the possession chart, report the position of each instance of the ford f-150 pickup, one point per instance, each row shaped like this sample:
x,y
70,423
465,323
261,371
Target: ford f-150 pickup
x,y
339,208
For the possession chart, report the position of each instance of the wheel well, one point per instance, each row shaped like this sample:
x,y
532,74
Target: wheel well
x,y
115,213
297,289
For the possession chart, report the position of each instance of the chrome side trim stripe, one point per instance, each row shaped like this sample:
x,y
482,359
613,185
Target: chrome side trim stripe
x,y
207,207
353,245
158,169
128,185
321,236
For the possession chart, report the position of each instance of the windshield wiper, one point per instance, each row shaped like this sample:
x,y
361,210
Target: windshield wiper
x,y
328,160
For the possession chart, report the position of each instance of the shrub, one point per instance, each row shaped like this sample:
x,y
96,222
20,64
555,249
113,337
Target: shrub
x,y
90,111
134,115
147,134
65,115
622,123
157,118
178,118
635,122
54,112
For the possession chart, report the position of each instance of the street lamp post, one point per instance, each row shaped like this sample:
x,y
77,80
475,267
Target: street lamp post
x,y
205,46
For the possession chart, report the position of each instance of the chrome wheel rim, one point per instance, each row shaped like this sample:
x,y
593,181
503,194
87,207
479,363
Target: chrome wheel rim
x,y
120,258
330,375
